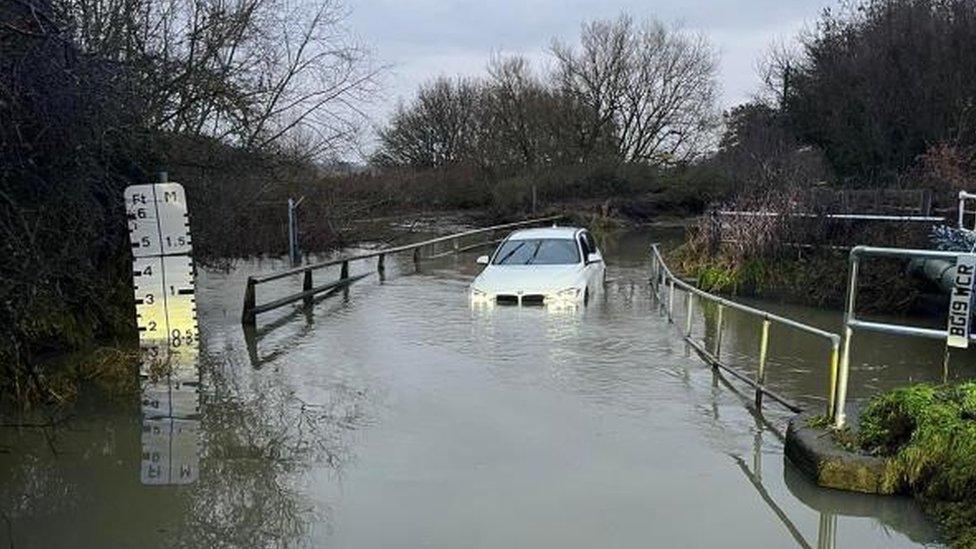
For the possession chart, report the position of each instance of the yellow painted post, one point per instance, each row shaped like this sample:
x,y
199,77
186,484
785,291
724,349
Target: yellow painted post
x,y
718,332
761,372
832,395
843,372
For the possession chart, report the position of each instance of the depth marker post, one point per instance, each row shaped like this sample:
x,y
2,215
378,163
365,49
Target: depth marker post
x,y
166,317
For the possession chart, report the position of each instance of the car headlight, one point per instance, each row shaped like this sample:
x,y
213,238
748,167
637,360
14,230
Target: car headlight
x,y
564,296
479,296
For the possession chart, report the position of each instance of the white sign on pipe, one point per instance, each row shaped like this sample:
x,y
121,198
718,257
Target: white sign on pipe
x,y
960,301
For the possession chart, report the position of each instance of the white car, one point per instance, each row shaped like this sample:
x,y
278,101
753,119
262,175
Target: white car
x,y
551,266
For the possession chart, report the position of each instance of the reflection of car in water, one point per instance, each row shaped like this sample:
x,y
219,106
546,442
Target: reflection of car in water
x,y
551,266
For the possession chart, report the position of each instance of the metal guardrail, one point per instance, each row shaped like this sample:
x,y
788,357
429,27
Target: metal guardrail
x,y
963,198
851,322
841,216
251,309
662,278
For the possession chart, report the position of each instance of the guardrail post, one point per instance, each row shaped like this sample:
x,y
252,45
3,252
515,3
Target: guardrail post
x,y
671,301
344,272
962,207
381,264
761,372
845,356
248,317
718,333
659,294
307,287
655,276
416,257
655,268
832,395
842,374
691,312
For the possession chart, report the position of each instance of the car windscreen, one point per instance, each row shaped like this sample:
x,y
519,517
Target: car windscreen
x,y
538,251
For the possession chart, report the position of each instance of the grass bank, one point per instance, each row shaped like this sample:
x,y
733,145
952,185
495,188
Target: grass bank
x,y
801,260
816,278
928,433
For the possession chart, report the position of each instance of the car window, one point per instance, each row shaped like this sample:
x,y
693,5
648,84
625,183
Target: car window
x,y
538,251
590,242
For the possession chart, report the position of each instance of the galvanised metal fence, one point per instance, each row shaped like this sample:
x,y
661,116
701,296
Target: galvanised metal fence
x,y
665,284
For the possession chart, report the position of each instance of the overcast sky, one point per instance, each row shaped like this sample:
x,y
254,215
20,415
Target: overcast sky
x,y
423,39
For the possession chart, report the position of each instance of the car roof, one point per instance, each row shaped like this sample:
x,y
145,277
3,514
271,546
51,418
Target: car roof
x,y
546,232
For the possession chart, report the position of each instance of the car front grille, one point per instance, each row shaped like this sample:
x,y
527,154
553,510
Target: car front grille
x,y
506,299
528,299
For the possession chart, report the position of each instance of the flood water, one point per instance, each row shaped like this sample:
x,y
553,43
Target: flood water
x,y
397,416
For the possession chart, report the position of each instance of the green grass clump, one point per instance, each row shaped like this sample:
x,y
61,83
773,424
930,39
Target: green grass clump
x,y
929,432
725,277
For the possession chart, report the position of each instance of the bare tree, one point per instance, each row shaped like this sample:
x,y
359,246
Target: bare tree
x,y
774,67
514,96
440,127
529,123
652,87
254,73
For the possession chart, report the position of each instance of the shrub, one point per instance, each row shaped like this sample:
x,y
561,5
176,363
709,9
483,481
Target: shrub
x,y
930,434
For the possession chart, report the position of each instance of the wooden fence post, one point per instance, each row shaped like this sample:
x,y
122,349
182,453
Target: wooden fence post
x,y
248,317
307,287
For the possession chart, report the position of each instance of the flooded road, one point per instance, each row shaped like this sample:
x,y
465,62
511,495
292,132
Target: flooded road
x,y
398,416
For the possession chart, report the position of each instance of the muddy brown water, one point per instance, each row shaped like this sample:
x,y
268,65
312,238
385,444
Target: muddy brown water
x,y
397,416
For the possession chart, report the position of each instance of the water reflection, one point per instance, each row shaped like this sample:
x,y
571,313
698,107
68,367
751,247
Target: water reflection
x,y
262,437
233,476
170,416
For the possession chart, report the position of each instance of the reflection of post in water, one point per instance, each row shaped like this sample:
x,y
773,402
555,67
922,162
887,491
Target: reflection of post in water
x,y
755,478
170,418
827,532
166,316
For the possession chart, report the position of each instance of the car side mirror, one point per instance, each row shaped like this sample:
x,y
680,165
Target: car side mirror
x,y
593,257
482,260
